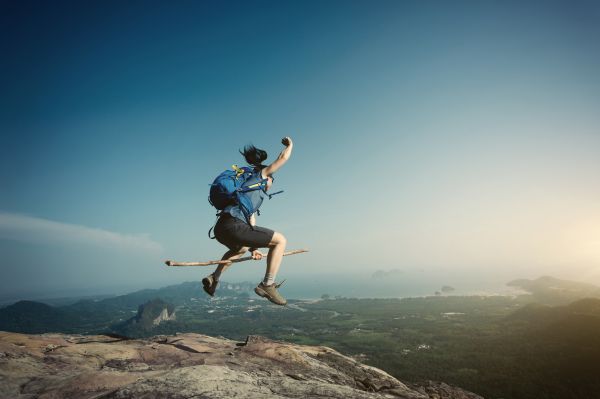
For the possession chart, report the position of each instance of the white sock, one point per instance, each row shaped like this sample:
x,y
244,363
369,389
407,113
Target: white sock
x,y
269,279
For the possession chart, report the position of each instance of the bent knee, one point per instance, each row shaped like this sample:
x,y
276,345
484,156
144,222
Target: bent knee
x,y
278,239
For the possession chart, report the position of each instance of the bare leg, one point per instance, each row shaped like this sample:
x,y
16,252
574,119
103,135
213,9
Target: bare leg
x,y
228,256
267,288
276,250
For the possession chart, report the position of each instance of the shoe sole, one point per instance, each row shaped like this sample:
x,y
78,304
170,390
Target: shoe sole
x,y
265,294
206,285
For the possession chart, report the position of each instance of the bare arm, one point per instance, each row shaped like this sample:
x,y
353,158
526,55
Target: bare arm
x,y
281,159
253,219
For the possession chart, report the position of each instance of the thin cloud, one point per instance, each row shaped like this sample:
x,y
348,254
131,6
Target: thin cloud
x,y
32,229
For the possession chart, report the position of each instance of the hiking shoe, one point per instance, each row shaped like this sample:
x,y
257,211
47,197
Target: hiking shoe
x,y
270,292
210,284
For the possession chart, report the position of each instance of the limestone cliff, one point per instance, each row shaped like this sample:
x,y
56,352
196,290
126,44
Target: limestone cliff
x,y
149,315
163,316
191,366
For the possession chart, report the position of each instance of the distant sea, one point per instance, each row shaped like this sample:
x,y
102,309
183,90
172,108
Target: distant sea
x,y
391,286
388,284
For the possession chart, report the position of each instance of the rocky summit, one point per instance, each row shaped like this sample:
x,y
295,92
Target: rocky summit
x,y
191,366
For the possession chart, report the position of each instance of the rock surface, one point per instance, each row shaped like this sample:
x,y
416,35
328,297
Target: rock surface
x,y
191,366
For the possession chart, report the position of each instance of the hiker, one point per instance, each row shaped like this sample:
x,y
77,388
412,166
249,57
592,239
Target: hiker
x,y
238,231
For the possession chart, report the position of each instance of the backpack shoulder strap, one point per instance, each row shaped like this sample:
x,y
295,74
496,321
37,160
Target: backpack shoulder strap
x,y
213,226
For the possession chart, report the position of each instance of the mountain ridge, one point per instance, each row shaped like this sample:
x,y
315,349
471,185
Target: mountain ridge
x,y
554,291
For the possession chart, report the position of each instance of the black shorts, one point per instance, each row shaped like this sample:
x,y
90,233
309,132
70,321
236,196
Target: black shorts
x,y
235,234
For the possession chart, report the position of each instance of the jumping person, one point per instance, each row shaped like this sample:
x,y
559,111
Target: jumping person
x,y
240,234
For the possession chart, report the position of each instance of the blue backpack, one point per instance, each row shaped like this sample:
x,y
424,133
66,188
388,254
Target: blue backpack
x,y
232,186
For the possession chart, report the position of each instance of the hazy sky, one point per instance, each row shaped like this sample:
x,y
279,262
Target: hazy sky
x,y
459,138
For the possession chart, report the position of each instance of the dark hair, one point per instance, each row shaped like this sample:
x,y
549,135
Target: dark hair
x,y
254,156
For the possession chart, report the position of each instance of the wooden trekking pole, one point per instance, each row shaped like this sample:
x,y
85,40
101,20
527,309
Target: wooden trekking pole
x,y
219,262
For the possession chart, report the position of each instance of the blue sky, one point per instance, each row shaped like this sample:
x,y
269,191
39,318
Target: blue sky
x,y
455,138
